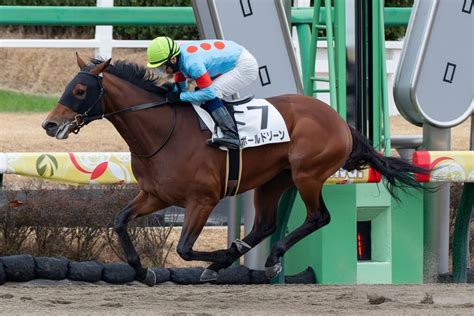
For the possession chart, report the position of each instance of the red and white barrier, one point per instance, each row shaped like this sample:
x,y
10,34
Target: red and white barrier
x,y
447,166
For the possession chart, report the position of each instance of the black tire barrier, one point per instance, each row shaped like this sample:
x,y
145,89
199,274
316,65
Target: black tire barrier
x,y
234,275
186,275
3,277
118,273
51,268
445,278
86,271
162,275
305,277
448,277
470,275
19,268
23,268
258,277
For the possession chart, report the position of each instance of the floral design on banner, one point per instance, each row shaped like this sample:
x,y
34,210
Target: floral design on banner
x,y
447,168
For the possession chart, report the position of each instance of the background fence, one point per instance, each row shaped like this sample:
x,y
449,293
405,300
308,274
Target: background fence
x,y
105,13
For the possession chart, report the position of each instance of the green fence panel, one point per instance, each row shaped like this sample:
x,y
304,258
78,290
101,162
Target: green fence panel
x,y
50,15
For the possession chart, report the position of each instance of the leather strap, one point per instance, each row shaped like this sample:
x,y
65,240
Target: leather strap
x,y
234,171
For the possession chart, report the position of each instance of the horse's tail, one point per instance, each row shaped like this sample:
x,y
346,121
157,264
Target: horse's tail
x,y
397,172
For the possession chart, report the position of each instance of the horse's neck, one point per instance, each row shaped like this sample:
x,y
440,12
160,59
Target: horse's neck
x,y
141,130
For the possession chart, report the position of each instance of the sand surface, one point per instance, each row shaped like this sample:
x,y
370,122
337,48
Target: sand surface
x,y
66,297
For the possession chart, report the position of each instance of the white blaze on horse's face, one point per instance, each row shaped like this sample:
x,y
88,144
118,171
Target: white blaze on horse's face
x,y
59,122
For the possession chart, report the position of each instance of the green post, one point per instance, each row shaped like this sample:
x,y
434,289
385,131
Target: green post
x,y
383,70
331,57
376,74
407,238
462,225
340,62
308,80
461,234
331,250
304,39
285,206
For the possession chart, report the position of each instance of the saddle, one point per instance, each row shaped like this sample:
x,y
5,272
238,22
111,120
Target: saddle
x,y
258,122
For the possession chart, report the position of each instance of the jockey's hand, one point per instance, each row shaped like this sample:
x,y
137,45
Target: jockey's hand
x,y
173,97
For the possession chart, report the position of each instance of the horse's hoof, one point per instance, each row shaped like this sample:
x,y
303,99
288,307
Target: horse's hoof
x,y
242,246
208,275
273,271
150,278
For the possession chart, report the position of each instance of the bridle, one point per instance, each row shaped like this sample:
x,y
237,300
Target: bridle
x,y
82,119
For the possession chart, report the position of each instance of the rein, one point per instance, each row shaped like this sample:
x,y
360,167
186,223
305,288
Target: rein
x,y
82,119
167,137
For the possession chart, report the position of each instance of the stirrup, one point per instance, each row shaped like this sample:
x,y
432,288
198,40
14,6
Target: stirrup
x,y
218,142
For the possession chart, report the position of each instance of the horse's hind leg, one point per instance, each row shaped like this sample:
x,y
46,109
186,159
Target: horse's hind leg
x,y
266,203
317,217
142,204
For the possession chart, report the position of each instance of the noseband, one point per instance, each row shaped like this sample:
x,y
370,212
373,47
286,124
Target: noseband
x,y
82,119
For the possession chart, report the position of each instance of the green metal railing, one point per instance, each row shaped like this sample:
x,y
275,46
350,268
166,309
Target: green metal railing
x,y
337,63
310,81
54,15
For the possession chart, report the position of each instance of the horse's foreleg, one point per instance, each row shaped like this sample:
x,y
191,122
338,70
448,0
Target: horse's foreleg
x,y
266,203
197,213
317,217
142,204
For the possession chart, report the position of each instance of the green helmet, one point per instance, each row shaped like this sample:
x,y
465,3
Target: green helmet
x,y
160,50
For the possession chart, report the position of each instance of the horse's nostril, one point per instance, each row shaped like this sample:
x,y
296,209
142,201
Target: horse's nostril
x,y
48,125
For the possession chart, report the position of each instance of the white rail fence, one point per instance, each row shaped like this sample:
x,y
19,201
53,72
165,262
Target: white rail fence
x,y
104,43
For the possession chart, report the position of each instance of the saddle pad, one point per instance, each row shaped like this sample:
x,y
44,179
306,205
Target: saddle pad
x,y
258,121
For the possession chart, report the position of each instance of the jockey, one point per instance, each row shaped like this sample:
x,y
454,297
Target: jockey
x,y
220,68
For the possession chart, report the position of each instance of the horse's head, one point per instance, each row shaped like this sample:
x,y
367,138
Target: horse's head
x,y
81,101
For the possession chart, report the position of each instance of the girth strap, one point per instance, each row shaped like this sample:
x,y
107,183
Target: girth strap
x,y
233,171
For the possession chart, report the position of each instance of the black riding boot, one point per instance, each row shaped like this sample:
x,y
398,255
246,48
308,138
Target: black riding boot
x,y
231,137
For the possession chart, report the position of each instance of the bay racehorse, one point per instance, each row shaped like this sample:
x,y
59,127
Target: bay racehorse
x,y
174,165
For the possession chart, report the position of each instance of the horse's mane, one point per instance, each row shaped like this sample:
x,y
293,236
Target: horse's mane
x,y
133,73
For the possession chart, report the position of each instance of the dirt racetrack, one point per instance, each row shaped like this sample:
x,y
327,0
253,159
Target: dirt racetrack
x,y
72,298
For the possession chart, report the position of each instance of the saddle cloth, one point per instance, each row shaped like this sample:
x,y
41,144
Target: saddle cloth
x,y
258,122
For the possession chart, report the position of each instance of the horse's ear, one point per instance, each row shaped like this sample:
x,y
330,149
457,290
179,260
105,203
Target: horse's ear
x,y
107,63
80,62
101,67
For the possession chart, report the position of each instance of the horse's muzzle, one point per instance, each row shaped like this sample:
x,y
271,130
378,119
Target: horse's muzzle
x,y
50,127
60,131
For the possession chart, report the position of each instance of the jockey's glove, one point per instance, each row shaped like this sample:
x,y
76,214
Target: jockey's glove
x,y
173,97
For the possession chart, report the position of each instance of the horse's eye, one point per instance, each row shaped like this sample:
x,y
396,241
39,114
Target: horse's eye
x,y
79,92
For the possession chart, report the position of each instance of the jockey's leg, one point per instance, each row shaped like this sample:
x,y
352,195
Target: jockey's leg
x,y
228,84
227,125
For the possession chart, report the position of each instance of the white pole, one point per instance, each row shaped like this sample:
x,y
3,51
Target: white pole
x,y
104,34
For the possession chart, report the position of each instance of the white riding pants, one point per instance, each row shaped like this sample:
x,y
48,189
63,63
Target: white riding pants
x,y
244,72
